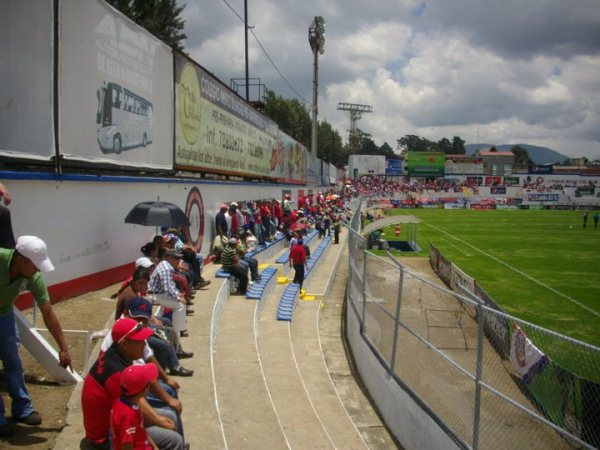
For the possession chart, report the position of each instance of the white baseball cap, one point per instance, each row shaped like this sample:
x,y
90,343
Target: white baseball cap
x,y
35,249
144,262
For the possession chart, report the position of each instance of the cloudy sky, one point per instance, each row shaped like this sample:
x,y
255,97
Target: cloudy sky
x,y
494,71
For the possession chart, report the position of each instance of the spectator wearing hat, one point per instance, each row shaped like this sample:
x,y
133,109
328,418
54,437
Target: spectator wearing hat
x,y
21,269
126,421
230,263
195,261
182,276
163,291
102,386
165,353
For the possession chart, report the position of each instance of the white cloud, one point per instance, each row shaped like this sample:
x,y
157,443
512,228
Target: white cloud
x,y
507,72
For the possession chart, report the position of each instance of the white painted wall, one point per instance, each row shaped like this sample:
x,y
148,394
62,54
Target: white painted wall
x,y
83,224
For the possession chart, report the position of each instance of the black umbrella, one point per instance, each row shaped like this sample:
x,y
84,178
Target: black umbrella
x,y
157,214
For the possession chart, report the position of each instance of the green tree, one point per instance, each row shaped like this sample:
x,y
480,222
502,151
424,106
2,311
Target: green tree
x,y
329,144
458,146
445,146
290,115
417,144
367,146
159,17
387,151
521,155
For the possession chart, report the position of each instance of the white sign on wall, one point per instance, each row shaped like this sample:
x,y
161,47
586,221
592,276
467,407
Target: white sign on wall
x,y
116,88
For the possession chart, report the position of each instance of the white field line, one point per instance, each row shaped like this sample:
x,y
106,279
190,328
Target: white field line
x,y
460,249
529,277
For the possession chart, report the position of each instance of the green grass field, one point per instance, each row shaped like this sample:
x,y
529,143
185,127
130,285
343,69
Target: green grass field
x,y
541,266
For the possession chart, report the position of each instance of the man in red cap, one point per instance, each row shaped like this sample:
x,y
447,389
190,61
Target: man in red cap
x,y
20,269
102,387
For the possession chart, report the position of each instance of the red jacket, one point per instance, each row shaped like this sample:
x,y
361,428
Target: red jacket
x,y
298,254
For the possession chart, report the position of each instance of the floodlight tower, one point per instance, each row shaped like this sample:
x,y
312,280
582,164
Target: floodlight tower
x,y
316,38
356,112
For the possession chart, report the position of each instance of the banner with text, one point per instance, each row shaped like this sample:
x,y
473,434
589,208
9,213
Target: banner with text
x,y
26,76
116,89
217,131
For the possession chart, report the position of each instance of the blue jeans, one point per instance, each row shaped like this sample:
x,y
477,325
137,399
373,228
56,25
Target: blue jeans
x,y
13,369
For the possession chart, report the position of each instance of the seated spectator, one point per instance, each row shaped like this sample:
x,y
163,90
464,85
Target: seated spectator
x,y
163,291
165,353
126,421
217,246
247,259
230,263
102,387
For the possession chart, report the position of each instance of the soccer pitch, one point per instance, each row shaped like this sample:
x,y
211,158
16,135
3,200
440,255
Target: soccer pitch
x,y
539,265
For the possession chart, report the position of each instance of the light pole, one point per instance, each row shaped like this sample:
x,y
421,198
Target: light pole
x,y
316,38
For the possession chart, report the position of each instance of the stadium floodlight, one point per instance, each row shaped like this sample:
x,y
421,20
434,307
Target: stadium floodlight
x,y
316,38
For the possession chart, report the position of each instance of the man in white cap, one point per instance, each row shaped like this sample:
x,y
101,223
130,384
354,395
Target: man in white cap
x,y
20,269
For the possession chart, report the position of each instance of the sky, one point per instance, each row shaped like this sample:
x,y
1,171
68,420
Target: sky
x,y
488,71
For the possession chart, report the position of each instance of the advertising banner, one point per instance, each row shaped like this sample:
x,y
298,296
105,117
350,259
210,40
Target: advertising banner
x,y
425,164
332,174
393,167
458,277
217,131
542,170
492,181
116,89
26,77
542,197
498,190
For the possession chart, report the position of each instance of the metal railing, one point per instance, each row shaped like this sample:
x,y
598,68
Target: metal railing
x,y
478,371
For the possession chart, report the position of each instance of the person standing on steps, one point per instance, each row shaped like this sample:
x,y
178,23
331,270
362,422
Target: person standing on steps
x,y
299,260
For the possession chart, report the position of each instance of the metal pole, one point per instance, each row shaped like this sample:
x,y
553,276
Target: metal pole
x,y
397,321
478,375
363,321
246,48
314,101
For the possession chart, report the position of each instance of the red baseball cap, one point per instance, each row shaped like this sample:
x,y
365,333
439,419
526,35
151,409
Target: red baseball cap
x,y
134,379
130,329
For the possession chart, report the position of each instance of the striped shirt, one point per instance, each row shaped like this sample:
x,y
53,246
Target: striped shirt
x,y
227,256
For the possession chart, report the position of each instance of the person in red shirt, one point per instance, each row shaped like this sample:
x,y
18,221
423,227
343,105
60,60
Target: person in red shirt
x,y
299,260
265,218
277,212
102,386
126,420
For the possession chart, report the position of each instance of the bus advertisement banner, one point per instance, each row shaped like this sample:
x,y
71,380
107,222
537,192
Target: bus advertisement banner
x,y
425,164
26,74
116,89
217,131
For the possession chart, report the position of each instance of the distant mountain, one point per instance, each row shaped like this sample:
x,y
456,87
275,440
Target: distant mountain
x,y
540,155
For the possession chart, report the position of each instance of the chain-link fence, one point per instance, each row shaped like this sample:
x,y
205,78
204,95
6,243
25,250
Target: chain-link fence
x,y
484,374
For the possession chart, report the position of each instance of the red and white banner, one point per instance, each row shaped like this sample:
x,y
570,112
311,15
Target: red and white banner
x,y
525,357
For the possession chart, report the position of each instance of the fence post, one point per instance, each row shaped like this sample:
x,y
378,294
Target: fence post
x,y
363,321
478,375
397,321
